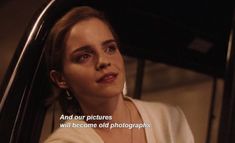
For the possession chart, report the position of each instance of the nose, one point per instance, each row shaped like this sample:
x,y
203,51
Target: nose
x,y
102,63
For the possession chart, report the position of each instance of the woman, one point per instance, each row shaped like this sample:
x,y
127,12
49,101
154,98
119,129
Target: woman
x,y
84,61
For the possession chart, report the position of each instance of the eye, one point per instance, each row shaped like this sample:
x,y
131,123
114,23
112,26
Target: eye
x,y
111,49
82,58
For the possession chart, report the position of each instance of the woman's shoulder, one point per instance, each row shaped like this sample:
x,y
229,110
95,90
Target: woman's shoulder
x,y
163,112
158,110
156,107
166,120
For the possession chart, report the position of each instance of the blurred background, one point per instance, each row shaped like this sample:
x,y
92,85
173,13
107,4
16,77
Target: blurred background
x,y
189,89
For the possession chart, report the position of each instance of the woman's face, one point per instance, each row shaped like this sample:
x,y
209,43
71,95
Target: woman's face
x,y
90,45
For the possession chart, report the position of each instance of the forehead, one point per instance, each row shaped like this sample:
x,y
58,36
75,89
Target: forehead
x,y
90,26
89,31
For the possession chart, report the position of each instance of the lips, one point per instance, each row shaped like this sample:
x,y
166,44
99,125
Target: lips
x,y
107,78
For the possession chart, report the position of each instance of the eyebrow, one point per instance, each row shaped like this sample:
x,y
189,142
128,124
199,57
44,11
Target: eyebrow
x,y
87,48
109,41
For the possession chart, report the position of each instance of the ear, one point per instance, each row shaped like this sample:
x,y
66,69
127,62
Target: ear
x,y
58,79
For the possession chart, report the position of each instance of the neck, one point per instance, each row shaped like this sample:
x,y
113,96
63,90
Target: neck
x,y
113,106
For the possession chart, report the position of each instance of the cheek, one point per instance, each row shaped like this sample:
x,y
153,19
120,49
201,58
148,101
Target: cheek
x,y
77,76
120,63
81,84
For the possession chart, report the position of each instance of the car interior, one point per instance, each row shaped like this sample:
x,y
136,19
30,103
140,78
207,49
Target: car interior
x,y
149,33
